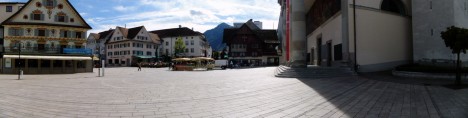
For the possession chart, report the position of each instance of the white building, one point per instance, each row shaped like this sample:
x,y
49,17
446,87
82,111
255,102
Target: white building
x,y
96,42
322,32
371,35
127,47
50,34
195,42
430,18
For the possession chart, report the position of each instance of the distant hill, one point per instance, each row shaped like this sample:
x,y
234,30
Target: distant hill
x,y
215,37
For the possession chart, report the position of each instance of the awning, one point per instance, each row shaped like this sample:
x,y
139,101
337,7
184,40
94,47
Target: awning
x,y
95,58
146,57
48,57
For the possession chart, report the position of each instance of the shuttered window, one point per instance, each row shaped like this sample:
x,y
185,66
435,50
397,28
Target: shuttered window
x,y
15,32
37,16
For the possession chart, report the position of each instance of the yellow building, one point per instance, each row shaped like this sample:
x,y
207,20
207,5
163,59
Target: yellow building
x,y
48,35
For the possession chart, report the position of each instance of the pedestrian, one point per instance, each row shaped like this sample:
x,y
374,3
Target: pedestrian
x,y
139,66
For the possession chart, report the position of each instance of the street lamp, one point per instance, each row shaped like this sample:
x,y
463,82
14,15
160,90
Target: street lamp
x,y
20,72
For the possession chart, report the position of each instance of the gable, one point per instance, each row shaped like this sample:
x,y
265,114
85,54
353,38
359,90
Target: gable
x,y
54,13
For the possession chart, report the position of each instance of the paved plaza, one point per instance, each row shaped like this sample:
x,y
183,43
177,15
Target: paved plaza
x,y
245,93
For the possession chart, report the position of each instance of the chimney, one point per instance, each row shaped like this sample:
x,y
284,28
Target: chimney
x,y
192,28
180,26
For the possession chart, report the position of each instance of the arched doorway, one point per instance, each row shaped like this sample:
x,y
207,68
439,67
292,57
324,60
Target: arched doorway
x,y
395,6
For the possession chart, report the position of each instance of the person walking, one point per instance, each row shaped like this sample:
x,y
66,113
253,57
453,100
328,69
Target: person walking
x,y
139,66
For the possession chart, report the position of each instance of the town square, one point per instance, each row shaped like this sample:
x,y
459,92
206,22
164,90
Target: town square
x,y
233,59
255,92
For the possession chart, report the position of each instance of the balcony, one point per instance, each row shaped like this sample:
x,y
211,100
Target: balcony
x,y
33,50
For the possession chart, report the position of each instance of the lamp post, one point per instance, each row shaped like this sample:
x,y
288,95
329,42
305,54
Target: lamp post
x,y
356,66
20,72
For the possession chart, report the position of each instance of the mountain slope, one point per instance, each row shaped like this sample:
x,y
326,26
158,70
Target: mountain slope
x,y
215,36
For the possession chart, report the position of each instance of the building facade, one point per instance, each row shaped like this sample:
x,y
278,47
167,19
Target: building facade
x,y
331,29
195,42
49,34
96,42
127,47
430,18
249,45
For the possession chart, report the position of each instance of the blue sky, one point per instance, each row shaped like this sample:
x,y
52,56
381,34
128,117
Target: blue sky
x,y
162,14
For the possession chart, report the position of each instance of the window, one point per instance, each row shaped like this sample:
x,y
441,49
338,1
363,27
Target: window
x,y
58,63
15,32
37,16
167,51
110,61
395,6
109,53
9,8
192,50
186,43
186,50
430,5
45,63
61,18
20,63
33,63
148,53
41,32
81,64
64,34
167,43
49,3
254,54
78,34
242,54
191,42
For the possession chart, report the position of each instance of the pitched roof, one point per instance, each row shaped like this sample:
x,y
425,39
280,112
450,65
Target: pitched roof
x,y
267,36
96,36
176,32
8,21
12,3
105,35
252,25
133,32
155,38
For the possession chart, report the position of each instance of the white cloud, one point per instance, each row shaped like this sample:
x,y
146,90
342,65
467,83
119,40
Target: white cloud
x,y
124,8
199,14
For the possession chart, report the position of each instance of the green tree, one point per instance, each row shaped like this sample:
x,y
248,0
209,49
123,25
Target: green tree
x,y
457,40
179,46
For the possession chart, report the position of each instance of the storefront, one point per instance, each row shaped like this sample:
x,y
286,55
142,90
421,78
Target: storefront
x,y
11,64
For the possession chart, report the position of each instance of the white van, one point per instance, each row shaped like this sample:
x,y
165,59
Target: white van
x,y
223,64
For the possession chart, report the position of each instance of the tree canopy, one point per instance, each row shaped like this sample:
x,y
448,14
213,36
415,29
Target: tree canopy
x,y
456,39
179,46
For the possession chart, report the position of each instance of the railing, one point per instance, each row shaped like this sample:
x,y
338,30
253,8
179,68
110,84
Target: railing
x,y
34,50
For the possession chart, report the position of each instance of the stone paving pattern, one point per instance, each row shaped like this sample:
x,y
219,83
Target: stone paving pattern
x,y
154,93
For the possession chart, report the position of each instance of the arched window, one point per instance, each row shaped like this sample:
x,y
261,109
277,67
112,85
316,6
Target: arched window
x,y
395,6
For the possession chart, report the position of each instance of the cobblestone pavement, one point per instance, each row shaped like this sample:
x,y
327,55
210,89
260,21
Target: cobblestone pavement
x,y
125,92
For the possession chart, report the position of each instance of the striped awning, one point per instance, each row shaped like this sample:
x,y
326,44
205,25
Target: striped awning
x,y
47,57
